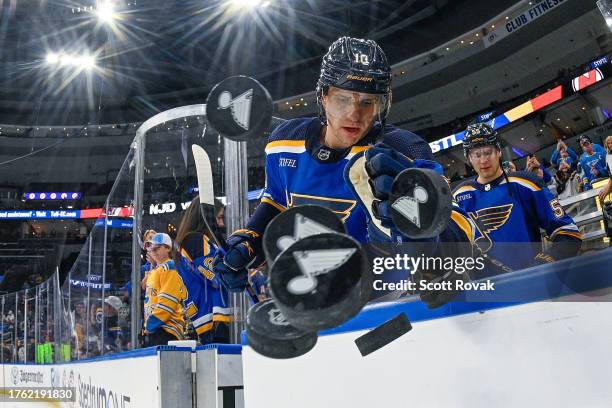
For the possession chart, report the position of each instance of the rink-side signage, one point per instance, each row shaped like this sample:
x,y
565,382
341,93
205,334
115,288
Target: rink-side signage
x,y
517,22
39,214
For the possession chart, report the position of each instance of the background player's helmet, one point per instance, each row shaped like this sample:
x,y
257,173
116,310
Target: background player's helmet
x,y
477,135
355,65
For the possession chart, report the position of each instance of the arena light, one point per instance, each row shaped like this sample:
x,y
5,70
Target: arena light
x,y
106,12
85,61
246,3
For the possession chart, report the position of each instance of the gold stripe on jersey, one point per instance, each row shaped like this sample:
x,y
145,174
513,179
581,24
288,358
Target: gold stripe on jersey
x,y
523,182
463,189
272,203
464,224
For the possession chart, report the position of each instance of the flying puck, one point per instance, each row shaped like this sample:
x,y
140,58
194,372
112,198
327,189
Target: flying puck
x,y
239,108
383,334
271,335
296,223
421,203
321,281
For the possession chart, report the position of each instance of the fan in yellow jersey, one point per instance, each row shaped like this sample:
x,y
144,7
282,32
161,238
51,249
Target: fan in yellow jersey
x,y
165,294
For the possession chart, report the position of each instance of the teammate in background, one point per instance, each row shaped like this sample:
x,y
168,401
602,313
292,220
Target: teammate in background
x,y
564,154
592,162
165,294
207,301
511,207
607,189
306,158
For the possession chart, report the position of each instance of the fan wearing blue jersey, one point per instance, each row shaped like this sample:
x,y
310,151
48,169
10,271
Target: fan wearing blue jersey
x,y
592,162
306,158
207,303
511,208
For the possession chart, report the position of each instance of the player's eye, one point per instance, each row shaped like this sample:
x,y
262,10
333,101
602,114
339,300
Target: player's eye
x,y
342,100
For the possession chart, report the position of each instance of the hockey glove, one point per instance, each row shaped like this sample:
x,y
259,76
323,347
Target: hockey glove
x,y
437,288
244,251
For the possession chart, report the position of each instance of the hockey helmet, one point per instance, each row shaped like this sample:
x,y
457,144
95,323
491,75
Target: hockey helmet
x,y
478,135
355,65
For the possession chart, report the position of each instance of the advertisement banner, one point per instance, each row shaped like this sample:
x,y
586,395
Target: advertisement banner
x,y
517,22
114,383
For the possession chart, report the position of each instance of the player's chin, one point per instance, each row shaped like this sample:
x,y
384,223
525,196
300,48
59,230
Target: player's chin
x,y
352,135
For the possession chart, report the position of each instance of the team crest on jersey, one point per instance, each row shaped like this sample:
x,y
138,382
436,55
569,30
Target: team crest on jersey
x,y
487,220
340,206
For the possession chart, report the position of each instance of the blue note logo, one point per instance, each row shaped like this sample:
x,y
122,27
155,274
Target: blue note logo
x,y
488,220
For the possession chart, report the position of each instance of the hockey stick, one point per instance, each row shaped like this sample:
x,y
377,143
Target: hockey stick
x,y
207,202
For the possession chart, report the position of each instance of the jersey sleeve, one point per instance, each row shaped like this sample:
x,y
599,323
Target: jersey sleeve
x,y
552,217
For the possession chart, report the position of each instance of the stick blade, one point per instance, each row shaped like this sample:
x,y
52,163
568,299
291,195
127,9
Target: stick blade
x,y
205,177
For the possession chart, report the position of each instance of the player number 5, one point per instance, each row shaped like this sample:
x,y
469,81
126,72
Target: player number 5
x,y
557,209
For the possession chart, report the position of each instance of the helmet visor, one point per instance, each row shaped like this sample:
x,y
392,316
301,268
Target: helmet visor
x,y
342,103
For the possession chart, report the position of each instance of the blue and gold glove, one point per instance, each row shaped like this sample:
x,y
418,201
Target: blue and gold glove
x,y
383,164
244,251
371,176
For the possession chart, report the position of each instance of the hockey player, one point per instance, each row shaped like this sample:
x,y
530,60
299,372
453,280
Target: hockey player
x,y
306,158
511,208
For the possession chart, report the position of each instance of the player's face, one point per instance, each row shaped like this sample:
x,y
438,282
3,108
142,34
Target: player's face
x,y
485,161
349,116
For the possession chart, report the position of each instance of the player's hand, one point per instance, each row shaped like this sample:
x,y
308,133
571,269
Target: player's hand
x,y
447,280
382,165
231,268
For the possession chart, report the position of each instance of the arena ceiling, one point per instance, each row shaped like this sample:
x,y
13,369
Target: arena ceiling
x,y
158,54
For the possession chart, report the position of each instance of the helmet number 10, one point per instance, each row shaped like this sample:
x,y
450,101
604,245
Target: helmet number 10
x,y
362,58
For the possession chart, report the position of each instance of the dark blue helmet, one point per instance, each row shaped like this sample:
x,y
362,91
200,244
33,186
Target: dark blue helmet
x,y
356,65
477,135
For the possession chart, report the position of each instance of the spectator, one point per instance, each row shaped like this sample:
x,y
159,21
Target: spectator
x,y
509,166
592,162
608,187
165,294
563,154
113,335
535,167
144,269
567,182
208,301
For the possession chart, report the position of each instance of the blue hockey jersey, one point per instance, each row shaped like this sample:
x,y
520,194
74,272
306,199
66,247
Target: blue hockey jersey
x,y
207,301
299,171
514,212
594,162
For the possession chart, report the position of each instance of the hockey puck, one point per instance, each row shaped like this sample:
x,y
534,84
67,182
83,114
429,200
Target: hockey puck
x,y
297,223
239,108
421,203
271,335
383,334
321,281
